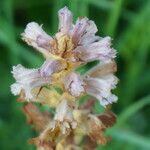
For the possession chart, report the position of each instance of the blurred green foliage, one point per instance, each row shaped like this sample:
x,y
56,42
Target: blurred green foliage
x,y
127,21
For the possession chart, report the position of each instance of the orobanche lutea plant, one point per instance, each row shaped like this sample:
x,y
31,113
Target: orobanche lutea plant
x,y
58,84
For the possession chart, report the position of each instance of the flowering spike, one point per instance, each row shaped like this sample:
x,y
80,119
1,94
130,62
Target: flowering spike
x,y
57,84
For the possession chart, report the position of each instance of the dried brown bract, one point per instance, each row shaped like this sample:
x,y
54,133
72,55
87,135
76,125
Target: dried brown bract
x,y
35,117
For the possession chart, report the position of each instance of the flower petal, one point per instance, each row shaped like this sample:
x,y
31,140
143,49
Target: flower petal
x,y
89,36
82,29
65,20
111,79
109,100
51,66
91,28
88,39
35,36
15,89
79,29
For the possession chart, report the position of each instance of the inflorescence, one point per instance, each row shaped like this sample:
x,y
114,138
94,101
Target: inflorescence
x,y
73,125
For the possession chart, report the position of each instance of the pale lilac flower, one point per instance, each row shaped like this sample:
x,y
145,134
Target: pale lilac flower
x,y
100,81
74,84
101,88
28,79
35,36
99,50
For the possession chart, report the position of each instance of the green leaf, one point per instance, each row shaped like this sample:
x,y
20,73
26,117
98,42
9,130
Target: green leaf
x,y
131,110
130,137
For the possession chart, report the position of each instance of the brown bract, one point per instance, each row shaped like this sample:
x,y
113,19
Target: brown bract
x,y
97,128
59,84
108,119
35,117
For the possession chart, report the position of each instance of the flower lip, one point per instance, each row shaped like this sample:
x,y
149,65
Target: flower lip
x,y
99,50
101,88
74,84
65,20
52,66
43,42
35,36
79,30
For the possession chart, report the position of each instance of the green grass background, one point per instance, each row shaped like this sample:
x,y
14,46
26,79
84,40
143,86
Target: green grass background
x,y
126,21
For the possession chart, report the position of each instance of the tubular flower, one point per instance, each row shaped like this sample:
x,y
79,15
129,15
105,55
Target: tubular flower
x,y
57,83
28,79
74,84
101,88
